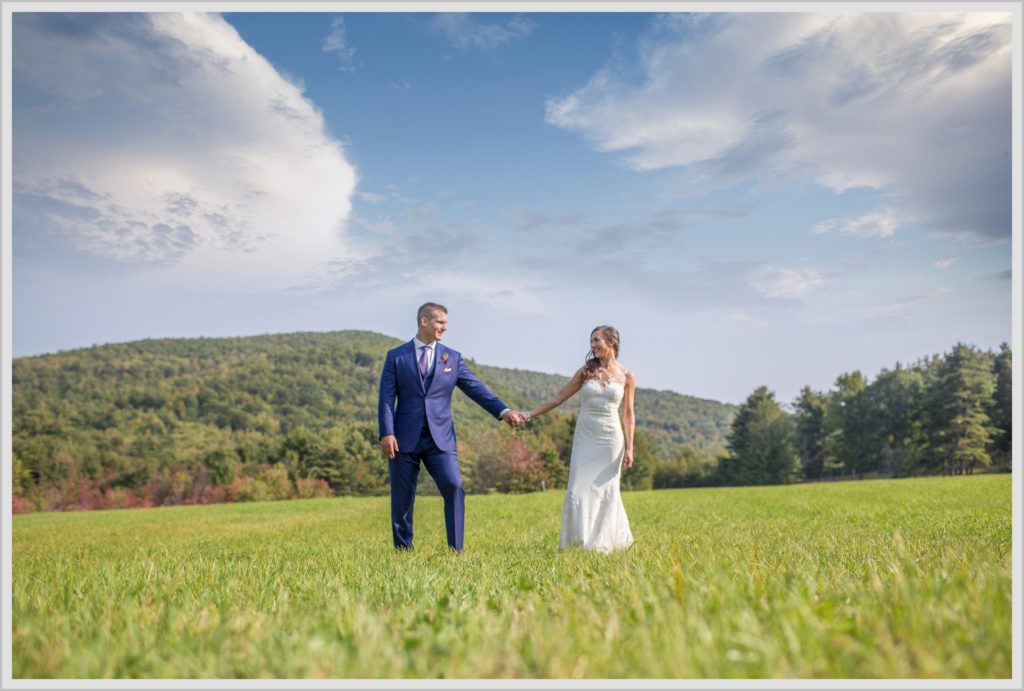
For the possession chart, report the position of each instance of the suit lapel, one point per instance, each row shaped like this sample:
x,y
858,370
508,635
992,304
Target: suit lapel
x,y
439,354
414,368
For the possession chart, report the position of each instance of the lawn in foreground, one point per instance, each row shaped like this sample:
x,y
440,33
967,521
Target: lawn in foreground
x,y
901,578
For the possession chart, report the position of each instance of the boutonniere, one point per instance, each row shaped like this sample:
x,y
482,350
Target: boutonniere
x,y
444,358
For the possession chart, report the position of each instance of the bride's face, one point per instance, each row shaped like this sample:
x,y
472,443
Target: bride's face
x,y
600,346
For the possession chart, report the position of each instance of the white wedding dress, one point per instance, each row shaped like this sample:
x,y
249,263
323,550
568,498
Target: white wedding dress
x,y
593,516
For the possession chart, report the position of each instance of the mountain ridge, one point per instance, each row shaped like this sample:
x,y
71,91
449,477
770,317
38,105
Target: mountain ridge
x,y
135,413
397,342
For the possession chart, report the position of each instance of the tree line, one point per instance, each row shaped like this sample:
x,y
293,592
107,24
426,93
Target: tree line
x,y
192,421
948,415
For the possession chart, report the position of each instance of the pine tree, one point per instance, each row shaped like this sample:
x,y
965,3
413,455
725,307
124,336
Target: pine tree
x,y
1001,409
963,430
761,444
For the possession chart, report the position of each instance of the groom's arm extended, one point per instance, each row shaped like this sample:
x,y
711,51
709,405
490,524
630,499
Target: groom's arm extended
x,y
478,391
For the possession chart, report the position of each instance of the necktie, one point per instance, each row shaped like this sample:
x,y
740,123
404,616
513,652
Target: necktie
x,y
424,362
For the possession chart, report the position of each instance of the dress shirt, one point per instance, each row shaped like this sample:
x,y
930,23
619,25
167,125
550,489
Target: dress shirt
x,y
431,347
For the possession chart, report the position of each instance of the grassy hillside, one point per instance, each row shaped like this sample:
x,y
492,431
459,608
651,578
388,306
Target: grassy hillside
x,y
907,578
282,381
132,414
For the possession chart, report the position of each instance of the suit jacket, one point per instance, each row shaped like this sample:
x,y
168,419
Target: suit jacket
x,y
403,403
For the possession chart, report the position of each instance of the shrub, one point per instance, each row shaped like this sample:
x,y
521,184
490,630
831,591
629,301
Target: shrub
x,y
309,487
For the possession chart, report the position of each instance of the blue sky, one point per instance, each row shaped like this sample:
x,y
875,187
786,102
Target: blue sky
x,y
752,199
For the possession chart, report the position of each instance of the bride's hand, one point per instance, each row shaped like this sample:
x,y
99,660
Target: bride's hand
x,y
627,458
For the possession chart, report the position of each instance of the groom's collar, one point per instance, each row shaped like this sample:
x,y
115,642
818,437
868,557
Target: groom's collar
x,y
417,343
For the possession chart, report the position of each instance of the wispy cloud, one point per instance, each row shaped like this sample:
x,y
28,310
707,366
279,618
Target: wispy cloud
x,y
969,240
631,258
877,224
777,282
336,42
905,304
945,263
914,105
171,143
468,33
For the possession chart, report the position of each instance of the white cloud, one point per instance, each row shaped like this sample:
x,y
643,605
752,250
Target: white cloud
x,y
877,224
173,144
337,43
915,105
945,263
466,33
776,282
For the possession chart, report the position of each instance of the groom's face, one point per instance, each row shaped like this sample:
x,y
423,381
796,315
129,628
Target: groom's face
x,y
432,328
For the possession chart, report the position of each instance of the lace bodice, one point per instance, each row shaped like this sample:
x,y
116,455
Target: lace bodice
x,y
605,377
602,399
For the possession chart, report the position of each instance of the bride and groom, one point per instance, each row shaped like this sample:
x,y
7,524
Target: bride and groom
x,y
415,419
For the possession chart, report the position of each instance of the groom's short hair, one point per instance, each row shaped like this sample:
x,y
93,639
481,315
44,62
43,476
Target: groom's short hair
x,y
427,309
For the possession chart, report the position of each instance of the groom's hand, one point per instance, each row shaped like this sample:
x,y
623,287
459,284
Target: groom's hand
x,y
513,418
389,445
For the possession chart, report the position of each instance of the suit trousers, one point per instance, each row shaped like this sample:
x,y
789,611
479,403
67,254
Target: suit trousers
x,y
404,471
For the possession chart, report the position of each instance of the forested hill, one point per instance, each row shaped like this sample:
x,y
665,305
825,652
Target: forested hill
x,y
121,413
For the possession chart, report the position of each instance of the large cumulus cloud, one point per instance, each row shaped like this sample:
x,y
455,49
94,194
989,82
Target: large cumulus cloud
x,y
164,142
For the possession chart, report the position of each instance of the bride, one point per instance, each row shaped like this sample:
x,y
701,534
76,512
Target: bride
x,y
593,516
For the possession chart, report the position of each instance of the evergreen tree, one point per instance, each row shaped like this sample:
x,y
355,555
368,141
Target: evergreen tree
x,y
848,426
963,430
761,444
810,432
1001,408
896,410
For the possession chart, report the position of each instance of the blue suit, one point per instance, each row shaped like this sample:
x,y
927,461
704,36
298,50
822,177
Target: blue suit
x,y
418,412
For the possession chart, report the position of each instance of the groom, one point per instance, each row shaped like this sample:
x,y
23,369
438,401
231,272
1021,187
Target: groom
x,y
422,375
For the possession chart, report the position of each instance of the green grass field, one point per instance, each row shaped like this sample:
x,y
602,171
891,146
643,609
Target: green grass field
x,y
908,578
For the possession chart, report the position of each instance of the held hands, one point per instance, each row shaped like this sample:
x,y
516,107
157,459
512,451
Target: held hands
x,y
515,418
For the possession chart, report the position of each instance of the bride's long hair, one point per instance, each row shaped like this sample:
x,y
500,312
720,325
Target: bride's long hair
x,y
592,363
